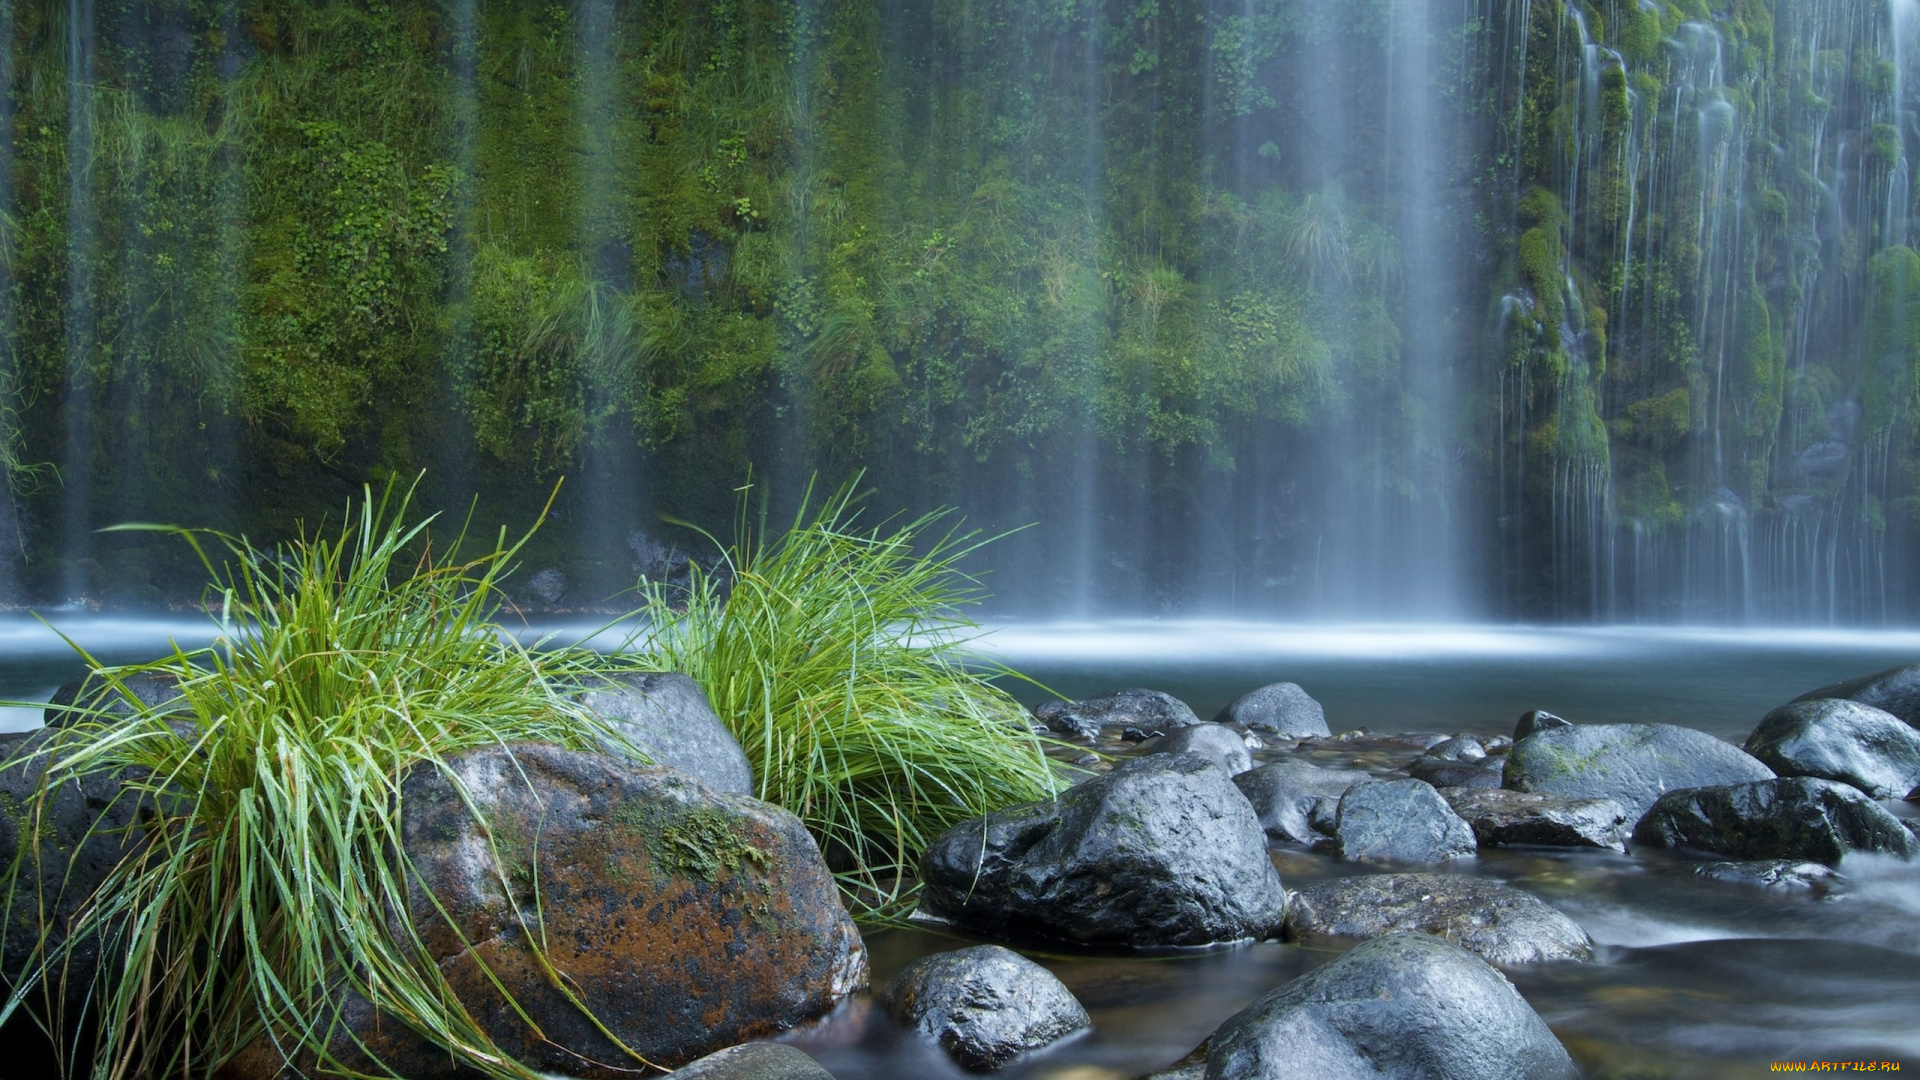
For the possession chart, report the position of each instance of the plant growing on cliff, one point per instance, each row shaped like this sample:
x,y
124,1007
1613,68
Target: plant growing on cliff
x,y
837,655
270,883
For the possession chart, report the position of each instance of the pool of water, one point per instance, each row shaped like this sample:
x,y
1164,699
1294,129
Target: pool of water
x,y
1695,978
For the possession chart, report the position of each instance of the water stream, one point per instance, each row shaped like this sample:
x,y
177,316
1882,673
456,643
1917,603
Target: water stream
x,y
1695,978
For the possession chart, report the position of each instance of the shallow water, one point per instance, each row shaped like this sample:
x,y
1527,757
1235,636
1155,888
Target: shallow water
x,y
1696,978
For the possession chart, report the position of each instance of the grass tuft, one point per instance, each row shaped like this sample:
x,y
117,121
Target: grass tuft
x,y
271,875
838,656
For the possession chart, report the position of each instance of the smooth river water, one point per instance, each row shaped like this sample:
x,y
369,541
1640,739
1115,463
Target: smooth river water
x,y
1696,978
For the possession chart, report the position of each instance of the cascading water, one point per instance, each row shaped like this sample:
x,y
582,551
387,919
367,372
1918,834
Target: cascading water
x,y
1600,309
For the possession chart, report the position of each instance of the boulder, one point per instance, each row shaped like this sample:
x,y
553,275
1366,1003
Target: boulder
x,y
1407,1006
1459,748
1152,711
1282,708
1475,773
686,919
1399,821
667,716
1632,764
1496,922
1839,739
1163,850
1895,690
985,1005
85,829
92,696
1221,745
1537,720
1297,801
1794,817
754,1061
1501,818
1785,875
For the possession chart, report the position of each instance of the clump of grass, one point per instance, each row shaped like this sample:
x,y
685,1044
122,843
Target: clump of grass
x,y
838,656
272,877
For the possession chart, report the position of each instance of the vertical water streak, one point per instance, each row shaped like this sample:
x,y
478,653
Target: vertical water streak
x,y
76,461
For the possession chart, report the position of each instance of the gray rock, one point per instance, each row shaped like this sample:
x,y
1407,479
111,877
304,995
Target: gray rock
x,y
1479,773
1221,745
1163,850
1632,764
1282,708
1298,801
1459,748
93,696
85,830
1399,821
754,1061
1152,711
1896,690
1496,922
667,715
1785,875
1794,817
1501,818
1838,739
1407,1007
1537,720
985,1005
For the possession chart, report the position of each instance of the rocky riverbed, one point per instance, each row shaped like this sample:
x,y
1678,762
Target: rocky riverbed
x,y
1252,897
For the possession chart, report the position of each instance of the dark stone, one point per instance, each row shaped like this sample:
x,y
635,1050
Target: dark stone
x,y
1399,821
666,715
1460,748
1497,922
1501,818
1163,850
1480,773
985,1005
92,696
754,1061
85,830
1221,745
1632,764
1282,708
1409,1007
1896,690
1153,712
1297,801
1838,739
1795,817
1786,875
686,919
1537,720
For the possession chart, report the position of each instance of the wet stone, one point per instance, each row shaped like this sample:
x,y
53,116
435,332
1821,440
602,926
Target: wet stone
x,y
1163,850
1537,720
1474,773
1632,764
1399,821
1895,690
1502,818
666,716
1496,922
93,697
1838,739
1151,711
1404,1006
1219,744
754,1061
1282,708
1297,801
1459,748
1797,818
985,1006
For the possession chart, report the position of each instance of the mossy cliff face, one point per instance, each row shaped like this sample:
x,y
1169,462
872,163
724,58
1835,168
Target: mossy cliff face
x,y
1140,271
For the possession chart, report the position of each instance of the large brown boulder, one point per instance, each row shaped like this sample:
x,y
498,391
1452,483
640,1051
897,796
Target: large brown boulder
x,y
686,919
